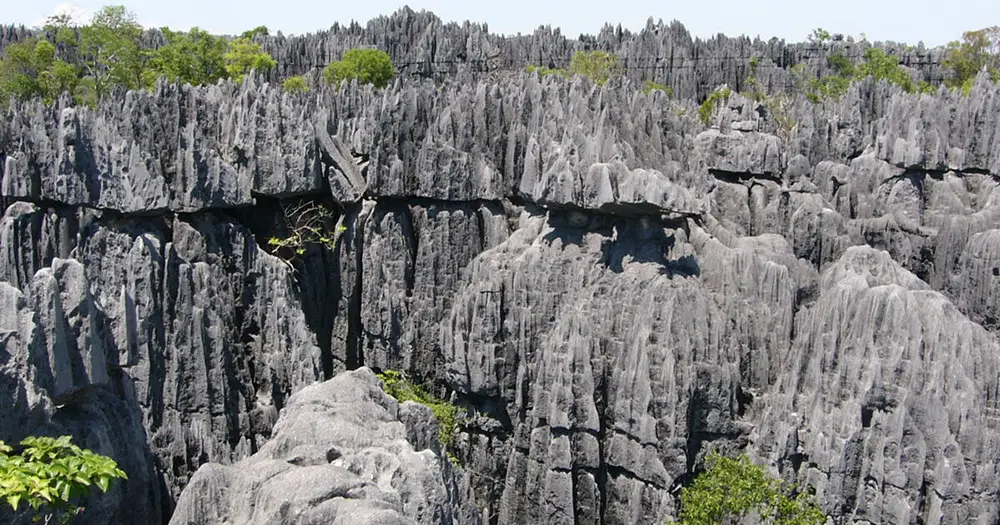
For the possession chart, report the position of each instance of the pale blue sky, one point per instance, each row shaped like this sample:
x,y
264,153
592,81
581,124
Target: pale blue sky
x,y
901,20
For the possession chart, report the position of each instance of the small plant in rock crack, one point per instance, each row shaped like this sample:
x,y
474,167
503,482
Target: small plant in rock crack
x,y
448,415
307,222
49,475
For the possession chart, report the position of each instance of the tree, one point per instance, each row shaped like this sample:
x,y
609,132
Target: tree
x,y
819,36
881,66
244,56
257,31
977,51
367,66
50,475
598,66
707,108
30,69
111,52
195,58
733,489
296,84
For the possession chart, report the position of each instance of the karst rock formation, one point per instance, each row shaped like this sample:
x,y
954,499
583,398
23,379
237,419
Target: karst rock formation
x,y
609,287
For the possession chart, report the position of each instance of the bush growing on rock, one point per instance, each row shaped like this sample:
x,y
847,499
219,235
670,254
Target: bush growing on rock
x,y
296,84
547,71
598,66
446,413
367,66
649,86
244,56
708,106
977,51
31,69
732,489
195,58
50,475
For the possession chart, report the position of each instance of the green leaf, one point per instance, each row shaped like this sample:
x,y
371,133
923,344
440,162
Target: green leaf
x,y
14,500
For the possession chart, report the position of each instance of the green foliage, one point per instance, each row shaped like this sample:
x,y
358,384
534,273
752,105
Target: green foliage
x,y
110,50
546,71
881,66
447,414
195,57
367,66
649,86
977,51
255,32
30,69
841,64
778,106
877,64
308,222
50,474
708,106
819,36
598,66
296,84
244,56
731,489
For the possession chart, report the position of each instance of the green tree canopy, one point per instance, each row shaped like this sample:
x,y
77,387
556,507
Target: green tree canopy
x,y
111,52
195,57
598,66
733,489
245,55
296,84
977,51
30,69
882,66
367,66
50,475
257,31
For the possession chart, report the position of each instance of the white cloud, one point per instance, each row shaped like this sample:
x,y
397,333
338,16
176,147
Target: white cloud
x,y
79,15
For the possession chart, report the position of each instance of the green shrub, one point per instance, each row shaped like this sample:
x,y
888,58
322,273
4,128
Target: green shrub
x,y
367,66
819,36
598,66
446,413
877,64
841,64
307,222
255,32
708,106
31,69
881,66
546,71
649,86
297,84
50,474
977,51
244,56
731,489
195,58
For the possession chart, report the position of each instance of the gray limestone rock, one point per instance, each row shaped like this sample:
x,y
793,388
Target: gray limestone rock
x,y
340,454
608,286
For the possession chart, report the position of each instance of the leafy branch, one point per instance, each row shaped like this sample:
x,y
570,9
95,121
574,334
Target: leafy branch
x,y
307,222
50,474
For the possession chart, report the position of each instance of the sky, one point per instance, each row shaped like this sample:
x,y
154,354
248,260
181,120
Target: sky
x,y
908,21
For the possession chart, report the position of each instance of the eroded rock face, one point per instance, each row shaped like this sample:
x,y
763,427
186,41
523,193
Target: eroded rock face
x,y
341,453
610,287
